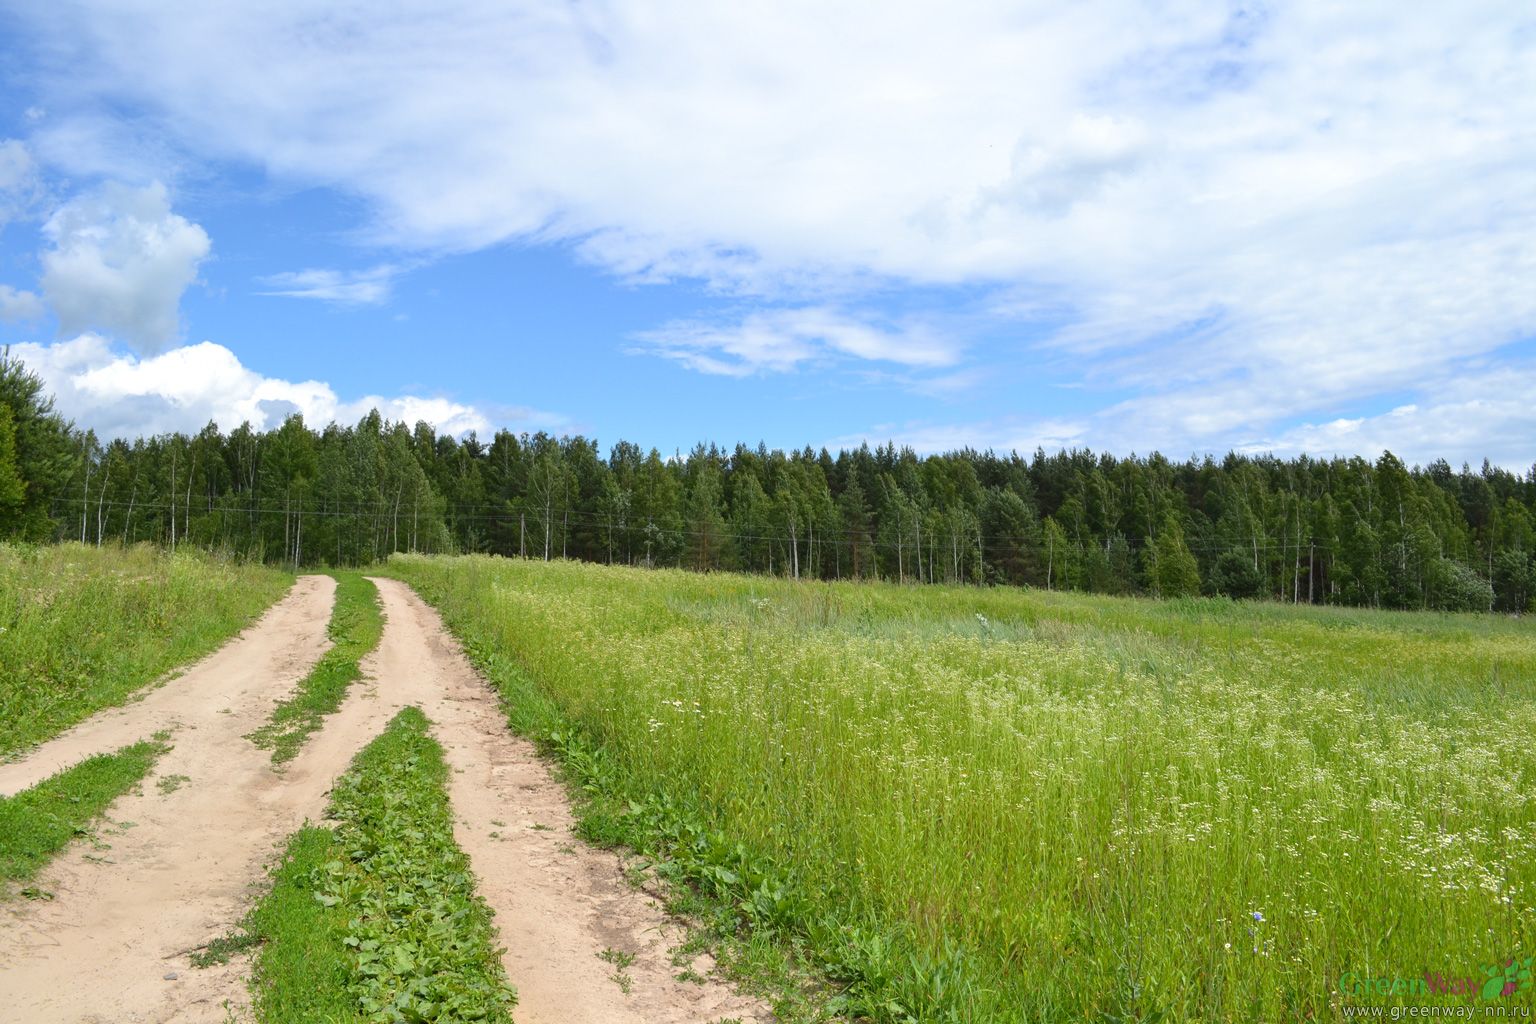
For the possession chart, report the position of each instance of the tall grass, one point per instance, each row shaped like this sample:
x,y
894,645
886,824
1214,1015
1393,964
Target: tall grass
x,y
81,628
1071,807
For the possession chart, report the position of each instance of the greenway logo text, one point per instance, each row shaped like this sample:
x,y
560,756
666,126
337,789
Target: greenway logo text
x,y
1499,982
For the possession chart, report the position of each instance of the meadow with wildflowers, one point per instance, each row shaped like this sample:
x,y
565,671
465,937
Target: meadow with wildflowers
x,y
978,804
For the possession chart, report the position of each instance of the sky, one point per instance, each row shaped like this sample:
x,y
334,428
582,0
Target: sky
x,y
1185,226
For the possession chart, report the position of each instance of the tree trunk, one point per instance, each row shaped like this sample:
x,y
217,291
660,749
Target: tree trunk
x,y
101,497
186,522
172,502
1311,561
85,495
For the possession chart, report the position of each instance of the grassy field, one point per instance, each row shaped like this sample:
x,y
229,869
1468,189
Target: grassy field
x,y
997,805
81,628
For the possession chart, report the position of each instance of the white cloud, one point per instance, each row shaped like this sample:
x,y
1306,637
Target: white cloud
x,y
19,184
16,166
19,305
183,389
1486,413
780,340
1478,412
1003,435
1336,196
342,287
118,261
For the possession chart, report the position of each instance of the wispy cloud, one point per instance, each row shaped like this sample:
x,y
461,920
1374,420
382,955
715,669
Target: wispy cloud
x,y
1003,434
19,182
18,306
781,340
368,287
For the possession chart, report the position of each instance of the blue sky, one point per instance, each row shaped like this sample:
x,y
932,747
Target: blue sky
x,y
1184,226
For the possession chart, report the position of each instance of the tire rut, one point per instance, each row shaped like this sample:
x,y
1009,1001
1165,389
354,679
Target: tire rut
x,y
114,943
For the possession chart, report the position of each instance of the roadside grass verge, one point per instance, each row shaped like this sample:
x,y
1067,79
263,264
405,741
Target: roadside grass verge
x,y
751,912
357,622
37,823
961,804
82,628
378,920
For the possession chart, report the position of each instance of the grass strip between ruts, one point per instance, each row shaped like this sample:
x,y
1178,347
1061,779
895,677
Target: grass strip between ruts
x,y
37,823
357,622
379,920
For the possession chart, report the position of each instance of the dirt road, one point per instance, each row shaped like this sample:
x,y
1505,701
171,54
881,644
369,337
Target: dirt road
x,y
186,859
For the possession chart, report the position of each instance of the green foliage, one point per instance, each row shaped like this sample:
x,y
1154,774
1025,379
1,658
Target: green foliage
x,y
222,949
1341,531
83,628
1173,570
303,970
357,622
993,805
1235,575
42,453
379,921
1514,578
13,489
37,823
1453,587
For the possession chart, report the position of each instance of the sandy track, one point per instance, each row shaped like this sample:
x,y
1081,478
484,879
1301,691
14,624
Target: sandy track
x,y
181,873
125,918
558,902
266,658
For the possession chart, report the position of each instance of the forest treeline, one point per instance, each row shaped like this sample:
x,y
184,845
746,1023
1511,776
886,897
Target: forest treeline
x,y
1335,531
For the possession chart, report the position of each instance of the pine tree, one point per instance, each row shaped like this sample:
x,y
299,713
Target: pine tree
x,y
45,453
13,489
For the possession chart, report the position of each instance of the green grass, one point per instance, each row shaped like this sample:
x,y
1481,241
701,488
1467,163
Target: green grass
x,y
1001,805
356,624
304,967
379,920
37,823
82,628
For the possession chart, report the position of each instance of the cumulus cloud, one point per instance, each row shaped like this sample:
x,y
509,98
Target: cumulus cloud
x,y
121,395
118,261
777,341
1241,213
342,287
